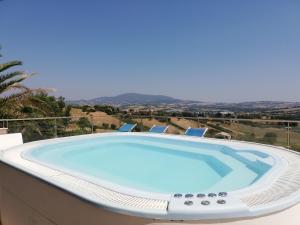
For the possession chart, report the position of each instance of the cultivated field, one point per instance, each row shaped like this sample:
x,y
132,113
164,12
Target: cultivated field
x,y
255,132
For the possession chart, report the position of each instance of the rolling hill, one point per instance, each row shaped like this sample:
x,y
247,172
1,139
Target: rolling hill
x,y
130,99
144,99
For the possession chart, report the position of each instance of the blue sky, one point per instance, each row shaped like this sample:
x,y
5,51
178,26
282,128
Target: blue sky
x,y
209,50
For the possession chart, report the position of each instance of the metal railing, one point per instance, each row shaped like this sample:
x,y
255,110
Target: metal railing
x,y
276,132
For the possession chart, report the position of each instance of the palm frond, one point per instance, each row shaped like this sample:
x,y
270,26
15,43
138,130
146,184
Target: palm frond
x,y
43,105
12,84
15,97
11,75
10,64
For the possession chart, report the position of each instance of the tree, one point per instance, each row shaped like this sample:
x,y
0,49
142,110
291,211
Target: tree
x,y
44,105
83,123
41,106
13,94
10,85
18,101
110,110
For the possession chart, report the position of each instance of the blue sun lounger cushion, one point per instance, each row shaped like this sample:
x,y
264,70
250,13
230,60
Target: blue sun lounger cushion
x,y
158,129
196,132
127,127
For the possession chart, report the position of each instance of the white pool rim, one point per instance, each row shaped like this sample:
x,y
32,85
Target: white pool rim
x,y
276,190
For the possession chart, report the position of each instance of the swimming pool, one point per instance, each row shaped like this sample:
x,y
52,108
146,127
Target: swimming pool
x,y
156,164
167,177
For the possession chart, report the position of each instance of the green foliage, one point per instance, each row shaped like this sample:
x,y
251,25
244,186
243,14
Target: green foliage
x,y
269,138
128,120
164,119
160,113
45,105
73,133
139,128
88,108
109,110
211,133
247,137
295,147
68,110
18,101
41,106
11,89
33,130
285,124
105,126
188,114
83,123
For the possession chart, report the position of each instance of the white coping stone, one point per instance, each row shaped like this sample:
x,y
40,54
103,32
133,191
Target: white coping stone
x,y
10,140
241,203
3,131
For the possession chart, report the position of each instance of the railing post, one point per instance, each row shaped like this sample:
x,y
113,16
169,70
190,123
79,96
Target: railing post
x,y
288,135
120,117
55,128
7,124
92,123
142,125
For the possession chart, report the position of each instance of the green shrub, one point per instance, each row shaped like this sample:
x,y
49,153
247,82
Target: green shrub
x,y
295,147
83,123
269,138
105,125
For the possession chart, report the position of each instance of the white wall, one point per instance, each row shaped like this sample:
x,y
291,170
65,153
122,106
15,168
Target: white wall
x,y
3,131
10,140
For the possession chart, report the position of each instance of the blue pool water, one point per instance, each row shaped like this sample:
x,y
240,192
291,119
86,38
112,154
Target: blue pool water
x,y
155,164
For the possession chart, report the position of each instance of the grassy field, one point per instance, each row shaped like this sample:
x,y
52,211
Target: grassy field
x,y
262,133
98,118
258,134
149,122
184,123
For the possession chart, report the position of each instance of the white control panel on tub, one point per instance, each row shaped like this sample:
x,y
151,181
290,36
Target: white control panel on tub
x,y
207,205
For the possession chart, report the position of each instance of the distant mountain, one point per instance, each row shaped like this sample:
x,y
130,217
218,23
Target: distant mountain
x,y
260,105
143,99
130,99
